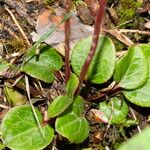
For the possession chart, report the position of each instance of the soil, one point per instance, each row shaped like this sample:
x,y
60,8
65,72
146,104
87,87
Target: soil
x,y
13,42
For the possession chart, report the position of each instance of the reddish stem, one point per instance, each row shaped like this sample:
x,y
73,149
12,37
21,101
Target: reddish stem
x,y
97,26
100,95
67,44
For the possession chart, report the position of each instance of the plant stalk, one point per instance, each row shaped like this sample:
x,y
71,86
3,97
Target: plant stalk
x,y
67,43
97,26
108,91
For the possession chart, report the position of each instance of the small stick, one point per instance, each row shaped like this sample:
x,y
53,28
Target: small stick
x,y
4,106
104,92
133,31
67,43
34,112
138,127
41,89
97,26
17,24
119,54
17,80
120,36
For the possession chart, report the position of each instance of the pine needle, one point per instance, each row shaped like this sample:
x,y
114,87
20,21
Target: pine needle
x,y
34,112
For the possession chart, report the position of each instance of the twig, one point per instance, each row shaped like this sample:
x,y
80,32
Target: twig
x,y
4,106
121,37
118,33
119,54
67,44
16,81
124,23
138,127
42,90
97,25
104,92
133,31
17,24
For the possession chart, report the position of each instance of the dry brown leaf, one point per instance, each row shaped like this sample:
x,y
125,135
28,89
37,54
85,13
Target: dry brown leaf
x,y
48,18
98,116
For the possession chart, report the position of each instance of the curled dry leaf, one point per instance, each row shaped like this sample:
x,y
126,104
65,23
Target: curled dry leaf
x,y
49,18
98,116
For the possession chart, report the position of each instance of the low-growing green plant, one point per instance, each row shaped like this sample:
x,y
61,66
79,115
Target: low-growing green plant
x,y
138,141
130,75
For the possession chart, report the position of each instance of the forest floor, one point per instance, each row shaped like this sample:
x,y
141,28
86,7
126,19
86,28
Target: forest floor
x,y
23,21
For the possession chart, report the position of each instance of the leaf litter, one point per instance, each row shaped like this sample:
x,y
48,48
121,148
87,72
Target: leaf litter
x,y
46,19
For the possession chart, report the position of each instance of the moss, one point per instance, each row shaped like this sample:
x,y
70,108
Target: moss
x,y
119,46
126,10
48,2
15,45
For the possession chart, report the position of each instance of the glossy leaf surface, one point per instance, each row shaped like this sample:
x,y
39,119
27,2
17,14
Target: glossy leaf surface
x,y
132,70
72,85
58,105
116,110
20,131
139,141
141,96
42,66
72,124
103,63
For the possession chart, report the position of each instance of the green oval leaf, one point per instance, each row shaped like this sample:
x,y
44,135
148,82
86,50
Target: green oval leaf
x,y
20,131
77,107
141,96
132,69
42,66
102,66
139,141
75,129
72,85
58,105
116,110
72,124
